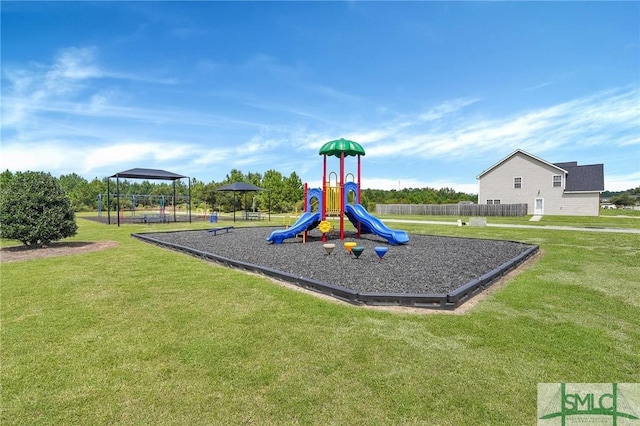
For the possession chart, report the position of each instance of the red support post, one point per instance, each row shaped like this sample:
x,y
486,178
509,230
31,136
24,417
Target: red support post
x,y
358,197
323,210
324,188
342,200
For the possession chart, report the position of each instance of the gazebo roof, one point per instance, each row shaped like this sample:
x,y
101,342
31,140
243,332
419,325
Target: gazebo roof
x,y
339,146
148,174
240,187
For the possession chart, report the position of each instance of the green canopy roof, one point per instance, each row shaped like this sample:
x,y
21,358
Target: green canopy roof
x,y
341,145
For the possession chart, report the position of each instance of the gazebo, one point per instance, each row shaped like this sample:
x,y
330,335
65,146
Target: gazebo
x,y
243,187
153,174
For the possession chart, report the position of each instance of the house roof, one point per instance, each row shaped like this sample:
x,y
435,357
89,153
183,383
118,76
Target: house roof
x,y
584,178
587,178
148,174
519,151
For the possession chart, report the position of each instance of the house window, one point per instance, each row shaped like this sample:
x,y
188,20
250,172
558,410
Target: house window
x,y
517,182
493,201
557,181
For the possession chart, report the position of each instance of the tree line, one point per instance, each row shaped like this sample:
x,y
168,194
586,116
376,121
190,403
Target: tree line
x,y
629,197
281,193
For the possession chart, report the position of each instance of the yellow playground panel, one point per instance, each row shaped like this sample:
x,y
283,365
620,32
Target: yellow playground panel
x,y
333,198
332,195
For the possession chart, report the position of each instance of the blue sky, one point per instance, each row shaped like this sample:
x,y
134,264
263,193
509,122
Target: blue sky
x,y
435,92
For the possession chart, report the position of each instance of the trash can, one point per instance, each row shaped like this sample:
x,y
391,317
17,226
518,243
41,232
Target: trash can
x,y
213,218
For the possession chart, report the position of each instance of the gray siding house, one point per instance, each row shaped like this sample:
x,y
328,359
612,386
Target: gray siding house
x,y
547,188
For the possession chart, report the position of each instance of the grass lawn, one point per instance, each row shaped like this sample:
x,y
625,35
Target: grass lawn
x,y
607,219
140,335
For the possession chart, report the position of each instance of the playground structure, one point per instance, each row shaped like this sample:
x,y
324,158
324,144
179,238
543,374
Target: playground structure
x,y
338,198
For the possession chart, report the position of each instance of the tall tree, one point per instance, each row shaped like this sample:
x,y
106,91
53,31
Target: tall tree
x,y
623,200
294,191
77,188
5,178
234,176
273,182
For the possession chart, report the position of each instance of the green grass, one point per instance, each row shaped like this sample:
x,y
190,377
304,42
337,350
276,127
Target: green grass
x,y
140,335
607,219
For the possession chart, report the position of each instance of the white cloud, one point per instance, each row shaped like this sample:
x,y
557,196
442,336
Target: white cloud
x,y
37,156
62,117
59,86
75,63
63,157
539,86
447,108
135,152
621,182
606,118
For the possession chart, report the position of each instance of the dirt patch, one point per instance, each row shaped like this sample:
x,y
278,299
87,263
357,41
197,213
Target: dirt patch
x,y
21,253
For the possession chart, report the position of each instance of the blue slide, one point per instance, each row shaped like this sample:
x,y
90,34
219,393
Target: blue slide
x,y
304,223
372,225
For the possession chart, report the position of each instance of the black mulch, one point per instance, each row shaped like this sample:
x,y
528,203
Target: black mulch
x,y
426,265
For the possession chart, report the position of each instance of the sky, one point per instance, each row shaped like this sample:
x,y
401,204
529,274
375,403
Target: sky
x,y
435,92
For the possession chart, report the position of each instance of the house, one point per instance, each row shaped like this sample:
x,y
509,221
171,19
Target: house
x,y
547,188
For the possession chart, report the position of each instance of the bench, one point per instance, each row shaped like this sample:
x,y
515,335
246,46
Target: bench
x,y
222,228
254,216
150,218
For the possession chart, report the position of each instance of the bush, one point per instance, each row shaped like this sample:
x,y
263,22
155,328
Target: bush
x,y
35,210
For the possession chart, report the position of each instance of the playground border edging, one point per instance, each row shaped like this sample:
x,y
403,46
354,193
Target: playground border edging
x,y
448,301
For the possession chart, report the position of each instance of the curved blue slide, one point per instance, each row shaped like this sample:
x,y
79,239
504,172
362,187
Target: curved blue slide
x,y
305,222
372,225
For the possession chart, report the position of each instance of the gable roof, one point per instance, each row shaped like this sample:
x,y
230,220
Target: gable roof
x,y
148,174
519,151
588,178
584,178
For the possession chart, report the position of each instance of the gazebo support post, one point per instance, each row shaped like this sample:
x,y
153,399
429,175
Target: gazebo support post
x,y
108,202
174,201
118,198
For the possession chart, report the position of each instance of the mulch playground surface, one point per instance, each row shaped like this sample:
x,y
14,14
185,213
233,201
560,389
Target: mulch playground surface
x,y
426,265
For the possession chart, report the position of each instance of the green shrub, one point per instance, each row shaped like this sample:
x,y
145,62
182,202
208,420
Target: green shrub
x,y
35,210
